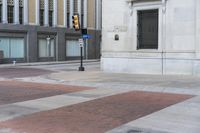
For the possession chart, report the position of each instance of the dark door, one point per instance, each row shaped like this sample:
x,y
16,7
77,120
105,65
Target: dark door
x,y
148,29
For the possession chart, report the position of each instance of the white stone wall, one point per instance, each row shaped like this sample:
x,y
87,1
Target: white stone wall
x,y
179,38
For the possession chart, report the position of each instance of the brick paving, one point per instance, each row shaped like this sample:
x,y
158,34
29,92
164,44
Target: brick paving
x,y
16,91
14,72
95,116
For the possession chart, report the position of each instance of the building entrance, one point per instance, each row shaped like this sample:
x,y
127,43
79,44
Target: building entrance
x,y
148,29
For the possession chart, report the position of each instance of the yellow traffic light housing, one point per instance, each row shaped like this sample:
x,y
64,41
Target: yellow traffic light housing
x,y
76,23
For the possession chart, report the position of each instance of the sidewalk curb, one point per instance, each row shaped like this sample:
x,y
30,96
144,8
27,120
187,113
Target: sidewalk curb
x,y
47,63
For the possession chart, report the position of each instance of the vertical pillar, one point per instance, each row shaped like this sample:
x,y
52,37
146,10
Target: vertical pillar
x,y
25,11
197,28
100,14
85,14
71,12
65,12
163,29
5,16
55,12
37,14
79,10
16,11
46,12
97,13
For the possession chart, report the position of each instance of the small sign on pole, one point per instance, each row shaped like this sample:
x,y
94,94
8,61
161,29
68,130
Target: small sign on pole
x,y
81,42
87,36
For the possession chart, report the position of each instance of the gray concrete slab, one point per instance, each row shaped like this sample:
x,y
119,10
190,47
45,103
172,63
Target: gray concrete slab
x,y
131,129
54,102
11,111
179,118
14,110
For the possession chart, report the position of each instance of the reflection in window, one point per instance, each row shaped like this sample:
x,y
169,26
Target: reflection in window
x,y
46,49
50,18
10,14
50,12
72,48
41,12
41,17
12,47
21,11
0,12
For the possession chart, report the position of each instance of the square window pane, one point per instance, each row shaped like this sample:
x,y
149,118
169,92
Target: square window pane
x,y
72,48
43,52
4,45
17,48
46,50
52,48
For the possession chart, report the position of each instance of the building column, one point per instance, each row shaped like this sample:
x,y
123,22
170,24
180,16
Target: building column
x,y
46,12
65,12
37,14
4,9
197,25
55,12
16,11
79,10
98,14
85,14
25,11
71,12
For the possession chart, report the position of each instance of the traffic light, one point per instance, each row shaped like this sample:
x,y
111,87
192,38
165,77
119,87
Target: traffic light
x,y
84,31
76,23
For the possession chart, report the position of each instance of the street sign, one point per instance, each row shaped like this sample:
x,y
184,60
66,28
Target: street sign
x,y
81,42
87,36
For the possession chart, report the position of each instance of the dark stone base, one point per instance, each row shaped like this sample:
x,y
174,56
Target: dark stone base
x,y
81,69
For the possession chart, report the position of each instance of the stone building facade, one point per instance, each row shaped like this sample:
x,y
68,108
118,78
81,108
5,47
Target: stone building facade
x,y
151,36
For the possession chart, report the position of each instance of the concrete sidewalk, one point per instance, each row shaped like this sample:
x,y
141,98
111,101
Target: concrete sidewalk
x,y
88,112
154,83
180,118
10,111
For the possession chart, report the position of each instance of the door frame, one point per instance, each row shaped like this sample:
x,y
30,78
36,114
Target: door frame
x,y
139,27
148,6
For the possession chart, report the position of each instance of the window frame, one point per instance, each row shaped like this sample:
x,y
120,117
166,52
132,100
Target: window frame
x,y
41,17
10,14
50,53
21,15
0,13
10,47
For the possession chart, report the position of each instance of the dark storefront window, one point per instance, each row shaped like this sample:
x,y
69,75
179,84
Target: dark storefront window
x,y
0,13
21,15
68,20
41,17
50,18
10,14
50,12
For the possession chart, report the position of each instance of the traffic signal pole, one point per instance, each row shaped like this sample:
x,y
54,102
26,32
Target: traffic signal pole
x,y
77,27
81,68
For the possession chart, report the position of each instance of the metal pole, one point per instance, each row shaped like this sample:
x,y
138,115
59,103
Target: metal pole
x,y
81,56
81,68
